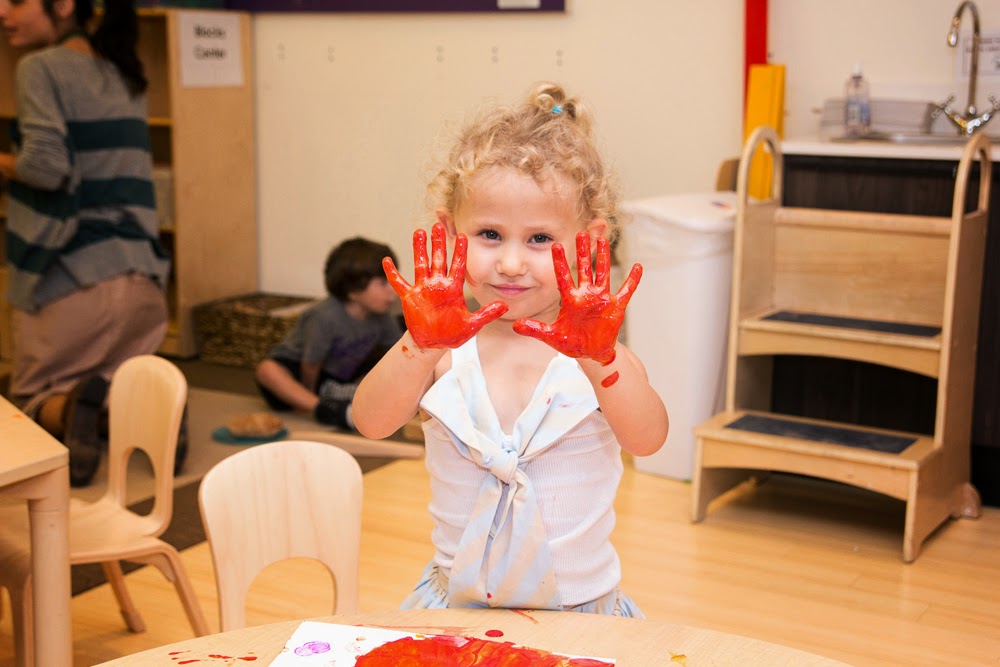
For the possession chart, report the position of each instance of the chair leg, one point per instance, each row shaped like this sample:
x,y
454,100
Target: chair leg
x,y
23,619
168,561
130,613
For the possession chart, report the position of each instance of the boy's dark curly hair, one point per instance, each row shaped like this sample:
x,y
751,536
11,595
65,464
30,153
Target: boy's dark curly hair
x,y
353,264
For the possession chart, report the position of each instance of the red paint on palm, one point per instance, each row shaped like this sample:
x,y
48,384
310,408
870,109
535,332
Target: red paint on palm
x,y
434,305
590,317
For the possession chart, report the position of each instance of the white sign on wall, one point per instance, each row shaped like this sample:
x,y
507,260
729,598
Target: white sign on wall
x,y
210,50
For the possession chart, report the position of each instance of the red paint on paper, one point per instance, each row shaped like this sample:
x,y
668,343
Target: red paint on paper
x,y
447,651
494,633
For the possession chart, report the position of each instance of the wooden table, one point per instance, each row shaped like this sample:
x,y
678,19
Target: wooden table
x,y
34,466
629,642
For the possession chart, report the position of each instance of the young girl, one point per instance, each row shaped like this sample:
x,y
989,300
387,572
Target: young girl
x,y
86,270
527,400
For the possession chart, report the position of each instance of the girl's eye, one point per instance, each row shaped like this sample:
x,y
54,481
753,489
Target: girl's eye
x,y
541,238
490,235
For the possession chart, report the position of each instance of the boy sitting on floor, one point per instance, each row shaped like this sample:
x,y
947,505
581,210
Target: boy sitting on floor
x,y
334,343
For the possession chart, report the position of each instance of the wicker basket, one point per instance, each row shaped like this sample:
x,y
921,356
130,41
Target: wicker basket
x,y
239,331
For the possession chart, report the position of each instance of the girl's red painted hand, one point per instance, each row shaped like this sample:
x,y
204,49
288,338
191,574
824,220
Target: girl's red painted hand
x,y
590,317
434,306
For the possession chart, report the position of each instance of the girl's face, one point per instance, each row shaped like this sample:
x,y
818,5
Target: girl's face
x,y
511,223
26,24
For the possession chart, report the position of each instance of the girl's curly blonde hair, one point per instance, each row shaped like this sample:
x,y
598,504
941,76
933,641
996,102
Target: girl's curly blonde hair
x,y
548,135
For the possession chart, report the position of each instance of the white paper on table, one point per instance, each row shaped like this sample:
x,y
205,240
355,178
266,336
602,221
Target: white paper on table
x,y
332,645
329,644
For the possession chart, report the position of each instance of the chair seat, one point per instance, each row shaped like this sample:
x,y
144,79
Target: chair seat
x,y
98,531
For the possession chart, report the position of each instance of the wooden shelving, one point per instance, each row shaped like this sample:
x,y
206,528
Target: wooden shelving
x,y
900,291
206,136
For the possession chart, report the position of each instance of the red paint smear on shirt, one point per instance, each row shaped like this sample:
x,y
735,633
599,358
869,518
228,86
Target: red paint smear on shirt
x,y
610,380
447,651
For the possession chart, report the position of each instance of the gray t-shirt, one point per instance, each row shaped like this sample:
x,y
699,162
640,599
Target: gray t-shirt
x,y
326,334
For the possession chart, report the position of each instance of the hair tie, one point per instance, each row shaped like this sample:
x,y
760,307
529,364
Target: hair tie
x,y
557,109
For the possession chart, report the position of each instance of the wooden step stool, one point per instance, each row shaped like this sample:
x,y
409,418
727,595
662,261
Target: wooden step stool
x,y
896,290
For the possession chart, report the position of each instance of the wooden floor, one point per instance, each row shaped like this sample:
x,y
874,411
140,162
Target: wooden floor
x,y
795,561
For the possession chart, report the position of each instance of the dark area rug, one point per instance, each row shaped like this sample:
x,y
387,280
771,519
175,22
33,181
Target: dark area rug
x,y
185,528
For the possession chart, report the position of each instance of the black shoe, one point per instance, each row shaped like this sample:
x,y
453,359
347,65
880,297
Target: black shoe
x,y
182,444
81,421
333,412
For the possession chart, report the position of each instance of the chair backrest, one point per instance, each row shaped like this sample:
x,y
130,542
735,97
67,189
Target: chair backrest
x,y
281,500
146,402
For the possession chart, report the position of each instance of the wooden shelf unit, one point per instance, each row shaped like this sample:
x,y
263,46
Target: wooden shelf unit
x,y
206,136
901,291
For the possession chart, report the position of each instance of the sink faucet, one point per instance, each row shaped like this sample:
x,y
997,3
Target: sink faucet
x,y
968,122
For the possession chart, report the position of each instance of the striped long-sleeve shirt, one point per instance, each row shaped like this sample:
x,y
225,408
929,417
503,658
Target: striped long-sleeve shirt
x,y
82,208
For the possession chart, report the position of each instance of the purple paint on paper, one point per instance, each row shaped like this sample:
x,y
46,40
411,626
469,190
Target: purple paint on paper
x,y
312,648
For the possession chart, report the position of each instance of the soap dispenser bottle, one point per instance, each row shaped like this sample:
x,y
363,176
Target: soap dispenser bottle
x,y
857,105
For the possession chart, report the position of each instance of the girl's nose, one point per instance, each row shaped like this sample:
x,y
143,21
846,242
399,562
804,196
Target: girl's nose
x,y
511,262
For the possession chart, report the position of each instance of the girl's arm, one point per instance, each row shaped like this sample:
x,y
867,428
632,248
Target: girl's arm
x,y
632,407
389,394
587,327
437,319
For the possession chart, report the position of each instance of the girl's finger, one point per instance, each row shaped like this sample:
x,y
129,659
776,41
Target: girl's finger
x,y
458,258
583,259
439,249
628,287
532,328
419,256
563,278
397,281
603,267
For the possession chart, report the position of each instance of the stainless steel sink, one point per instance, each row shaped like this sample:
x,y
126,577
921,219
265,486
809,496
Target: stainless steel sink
x,y
909,138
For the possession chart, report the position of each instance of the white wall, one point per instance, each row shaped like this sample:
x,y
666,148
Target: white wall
x,y
350,106
900,43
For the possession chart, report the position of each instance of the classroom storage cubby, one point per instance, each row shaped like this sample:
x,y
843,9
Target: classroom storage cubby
x,y
202,139
901,291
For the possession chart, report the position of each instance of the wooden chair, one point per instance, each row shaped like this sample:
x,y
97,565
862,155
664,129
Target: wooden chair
x,y
145,402
277,501
900,291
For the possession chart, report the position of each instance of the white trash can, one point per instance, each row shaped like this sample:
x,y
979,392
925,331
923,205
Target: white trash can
x,y
677,320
